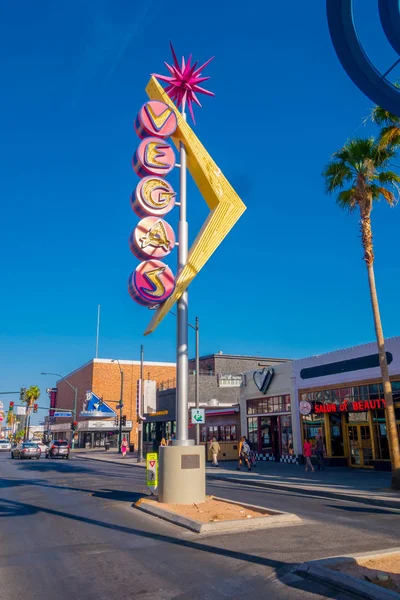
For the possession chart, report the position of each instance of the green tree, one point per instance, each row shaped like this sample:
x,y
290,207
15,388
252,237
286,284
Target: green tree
x,y
389,124
359,174
32,394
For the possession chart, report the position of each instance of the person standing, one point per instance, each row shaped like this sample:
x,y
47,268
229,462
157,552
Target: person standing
x,y
215,449
124,447
307,451
244,453
163,442
320,452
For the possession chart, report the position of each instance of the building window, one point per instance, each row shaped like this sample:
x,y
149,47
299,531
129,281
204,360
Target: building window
x,y
222,433
252,428
313,426
285,422
270,405
379,421
337,445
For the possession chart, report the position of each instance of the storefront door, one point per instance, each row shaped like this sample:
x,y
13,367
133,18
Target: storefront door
x,y
360,445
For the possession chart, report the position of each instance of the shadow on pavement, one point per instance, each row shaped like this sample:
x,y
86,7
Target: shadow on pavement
x,y
362,509
22,509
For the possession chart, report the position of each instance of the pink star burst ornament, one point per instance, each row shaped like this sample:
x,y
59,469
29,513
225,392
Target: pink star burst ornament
x,y
184,82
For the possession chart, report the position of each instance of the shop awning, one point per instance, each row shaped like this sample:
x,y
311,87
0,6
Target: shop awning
x,y
217,413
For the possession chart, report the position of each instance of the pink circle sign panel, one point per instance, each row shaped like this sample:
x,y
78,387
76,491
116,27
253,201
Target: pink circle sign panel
x,y
153,196
152,238
152,282
155,119
153,157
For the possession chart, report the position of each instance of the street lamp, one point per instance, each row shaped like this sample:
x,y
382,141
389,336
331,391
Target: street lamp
x,y
75,400
120,406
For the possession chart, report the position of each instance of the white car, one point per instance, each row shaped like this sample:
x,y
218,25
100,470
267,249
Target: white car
x,y
5,446
43,447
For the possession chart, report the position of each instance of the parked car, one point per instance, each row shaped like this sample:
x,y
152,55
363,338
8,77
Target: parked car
x,y
5,445
58,448
26,450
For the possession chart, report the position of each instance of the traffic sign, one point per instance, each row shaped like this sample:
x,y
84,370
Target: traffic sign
x,y
198,416
152,469
62,414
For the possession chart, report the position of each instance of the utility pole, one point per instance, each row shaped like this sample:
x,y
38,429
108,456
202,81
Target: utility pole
x,y
141,405
197,389
121,403
75,401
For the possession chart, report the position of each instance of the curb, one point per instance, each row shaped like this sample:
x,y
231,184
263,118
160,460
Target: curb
x,y
112,462
347,583
277,518
376,501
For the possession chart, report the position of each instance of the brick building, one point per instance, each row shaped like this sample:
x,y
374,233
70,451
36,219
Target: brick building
x,y
102,377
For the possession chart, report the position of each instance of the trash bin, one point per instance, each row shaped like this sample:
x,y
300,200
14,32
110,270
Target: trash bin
x,y
131,447
107,445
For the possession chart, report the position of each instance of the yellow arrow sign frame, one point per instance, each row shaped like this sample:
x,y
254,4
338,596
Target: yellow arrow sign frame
x,y
225,205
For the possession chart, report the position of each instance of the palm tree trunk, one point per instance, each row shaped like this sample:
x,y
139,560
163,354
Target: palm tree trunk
x,y
391,428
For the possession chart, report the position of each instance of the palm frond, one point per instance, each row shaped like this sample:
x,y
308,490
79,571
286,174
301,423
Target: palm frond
x,y
377,191
346,199
383,118
336,175
388,177
389,137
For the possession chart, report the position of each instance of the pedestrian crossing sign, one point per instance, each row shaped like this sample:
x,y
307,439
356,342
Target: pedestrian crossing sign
x,y
152,469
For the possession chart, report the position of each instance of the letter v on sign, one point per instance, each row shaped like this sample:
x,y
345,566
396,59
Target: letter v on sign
x,y
225,205
158,121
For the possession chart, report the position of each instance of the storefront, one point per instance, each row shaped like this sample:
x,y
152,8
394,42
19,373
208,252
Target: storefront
x,y
337,396
266,413
351,421
92,433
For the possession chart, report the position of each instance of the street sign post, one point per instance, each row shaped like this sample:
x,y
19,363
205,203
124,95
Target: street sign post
x,y
152,470
198,416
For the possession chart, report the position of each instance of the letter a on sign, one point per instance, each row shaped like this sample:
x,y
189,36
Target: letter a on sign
x,y
152,469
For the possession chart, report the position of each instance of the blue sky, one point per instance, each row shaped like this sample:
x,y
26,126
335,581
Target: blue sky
x,y
288,281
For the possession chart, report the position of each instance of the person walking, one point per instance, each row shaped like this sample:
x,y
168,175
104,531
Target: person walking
x,y
124,447
320,452
244,454
215,449
307,451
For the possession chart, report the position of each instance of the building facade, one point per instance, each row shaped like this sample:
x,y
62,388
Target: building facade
x,y
102,377
337,396
220,382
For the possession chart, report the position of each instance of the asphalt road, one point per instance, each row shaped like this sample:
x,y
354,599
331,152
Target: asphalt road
x,y
68,530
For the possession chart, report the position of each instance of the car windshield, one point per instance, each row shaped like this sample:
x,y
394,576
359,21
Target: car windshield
x,y
30,445
60,443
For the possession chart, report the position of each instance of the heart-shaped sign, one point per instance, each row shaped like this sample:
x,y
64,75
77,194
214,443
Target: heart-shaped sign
x,y
263,379
152,463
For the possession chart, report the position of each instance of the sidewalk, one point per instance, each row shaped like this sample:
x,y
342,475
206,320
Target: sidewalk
x,y
354,485
110,456
343,483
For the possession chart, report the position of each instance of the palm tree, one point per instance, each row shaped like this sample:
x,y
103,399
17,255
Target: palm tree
x,y
389,136
359,175
31,396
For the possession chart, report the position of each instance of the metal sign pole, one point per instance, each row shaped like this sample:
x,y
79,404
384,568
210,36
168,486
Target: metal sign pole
x,y
182,358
